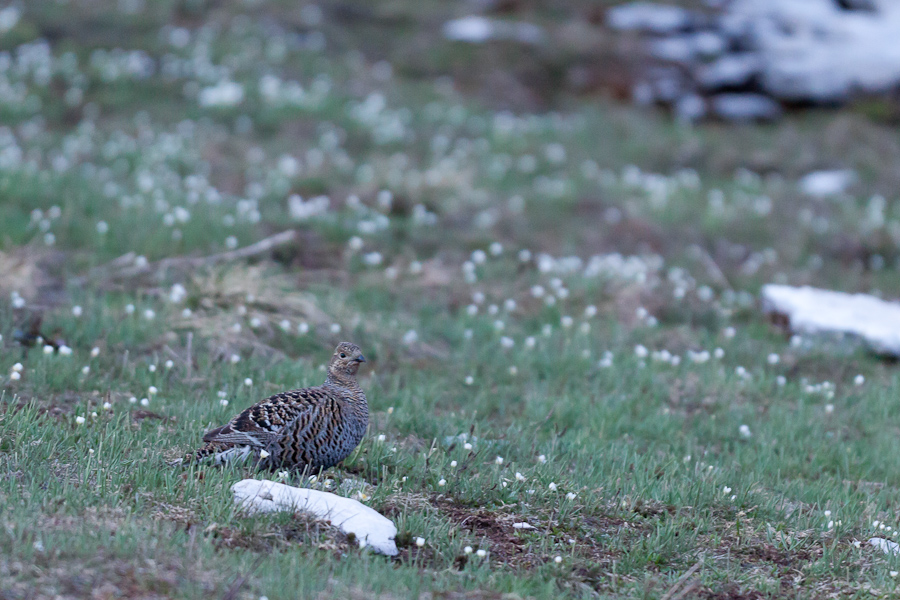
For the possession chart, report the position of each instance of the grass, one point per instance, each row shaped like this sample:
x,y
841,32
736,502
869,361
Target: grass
x,y
534,290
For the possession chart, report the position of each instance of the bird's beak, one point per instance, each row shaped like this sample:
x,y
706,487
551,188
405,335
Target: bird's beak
x,y
360,358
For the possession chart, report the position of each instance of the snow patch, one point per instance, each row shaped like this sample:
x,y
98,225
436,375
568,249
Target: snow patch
x,y
813,310
370,528
886,546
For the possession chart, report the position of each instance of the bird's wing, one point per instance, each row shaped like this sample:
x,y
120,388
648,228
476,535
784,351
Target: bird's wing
x,y
313,420
265,421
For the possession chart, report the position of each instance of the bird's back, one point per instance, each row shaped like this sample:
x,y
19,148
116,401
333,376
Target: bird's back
x,y
313,428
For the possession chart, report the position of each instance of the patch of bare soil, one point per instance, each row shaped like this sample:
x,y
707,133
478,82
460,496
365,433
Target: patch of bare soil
x,y
31,273
338,591
300,530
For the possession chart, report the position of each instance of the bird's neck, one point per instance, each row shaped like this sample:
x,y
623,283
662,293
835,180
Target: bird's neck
x,y
341,379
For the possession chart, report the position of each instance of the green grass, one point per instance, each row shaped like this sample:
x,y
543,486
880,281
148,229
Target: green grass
x,y
632,469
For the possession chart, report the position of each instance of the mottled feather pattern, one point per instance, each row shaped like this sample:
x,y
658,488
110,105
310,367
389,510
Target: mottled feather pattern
x,y
309,428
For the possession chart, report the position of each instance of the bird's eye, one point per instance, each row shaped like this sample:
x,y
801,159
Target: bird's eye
x,y
343,355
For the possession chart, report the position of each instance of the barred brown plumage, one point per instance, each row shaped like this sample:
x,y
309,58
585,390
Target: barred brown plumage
x,y
310,428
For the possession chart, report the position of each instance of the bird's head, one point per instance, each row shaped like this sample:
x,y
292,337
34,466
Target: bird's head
x,y
346,360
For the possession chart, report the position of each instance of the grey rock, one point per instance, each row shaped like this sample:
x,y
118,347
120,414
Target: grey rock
x,y
745,107
732,70
688,47
690,108
648,17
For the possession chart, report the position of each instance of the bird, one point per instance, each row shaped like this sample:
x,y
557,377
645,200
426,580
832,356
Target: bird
x,y
306,429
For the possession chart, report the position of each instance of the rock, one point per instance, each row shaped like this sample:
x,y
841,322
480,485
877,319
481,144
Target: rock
x,y
886,546
745,107
689,47
648,17
798,51
816,51
821,184
732,70
809,310
690,108
370,528
477,30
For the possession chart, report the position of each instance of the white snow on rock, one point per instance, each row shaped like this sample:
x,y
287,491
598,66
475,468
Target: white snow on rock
x,y
812,310
827,183
372,529
819,51
648,17
886,546
475,29
745,107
